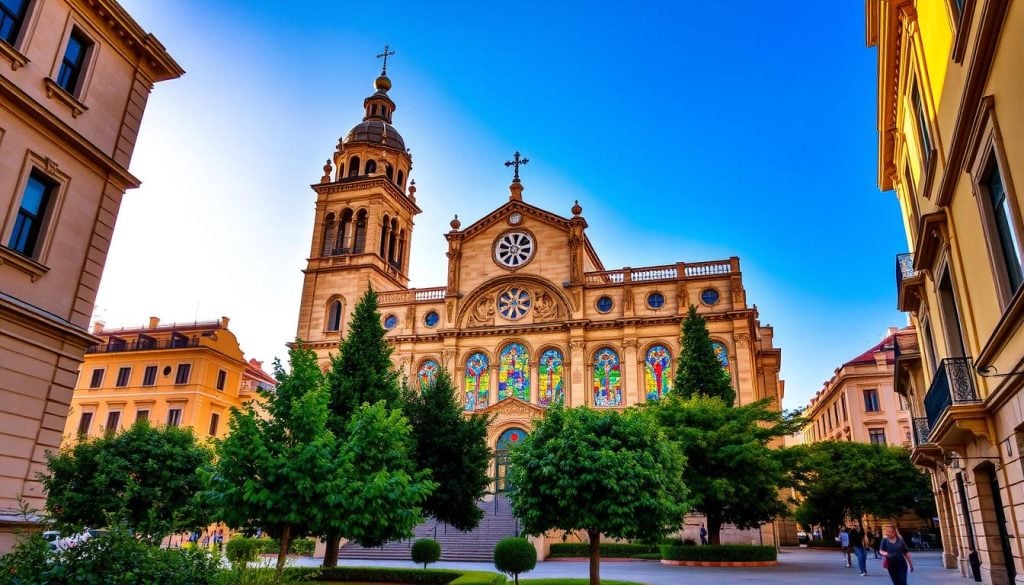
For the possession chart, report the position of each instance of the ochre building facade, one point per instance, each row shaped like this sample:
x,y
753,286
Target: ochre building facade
x,y
951,145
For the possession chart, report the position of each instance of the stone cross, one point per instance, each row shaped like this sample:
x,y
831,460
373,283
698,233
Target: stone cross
x,y
515,162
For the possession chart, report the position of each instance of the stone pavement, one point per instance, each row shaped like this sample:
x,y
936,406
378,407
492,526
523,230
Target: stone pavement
x,y
797,566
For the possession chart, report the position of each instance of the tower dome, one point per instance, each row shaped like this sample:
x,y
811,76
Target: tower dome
x,y
376,128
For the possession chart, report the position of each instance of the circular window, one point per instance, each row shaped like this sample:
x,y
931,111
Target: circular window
x,y
390,322
655,300
605,304
709,296
514,303
431,319
167,371
516,218
514,249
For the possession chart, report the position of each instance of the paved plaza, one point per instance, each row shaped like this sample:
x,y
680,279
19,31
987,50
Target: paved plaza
x,y
796,567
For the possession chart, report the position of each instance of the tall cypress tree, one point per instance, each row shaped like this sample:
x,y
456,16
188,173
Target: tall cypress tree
x,y
699,371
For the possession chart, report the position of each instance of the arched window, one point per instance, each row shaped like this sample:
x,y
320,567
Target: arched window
x,y
513,372
328,233
334,316
550,370
353,166
657,372
428,373
607,378
385,226
392,238
389,172
401,248
345,232
401,179
478,381
722,353
359,243
340,174
373,110
371,167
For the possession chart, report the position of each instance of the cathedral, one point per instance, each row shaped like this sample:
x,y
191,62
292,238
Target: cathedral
x,y
529,315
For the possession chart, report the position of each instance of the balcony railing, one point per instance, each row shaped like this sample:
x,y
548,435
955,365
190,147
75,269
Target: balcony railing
x,y
953,384
436,293
143,345
921,430
655,273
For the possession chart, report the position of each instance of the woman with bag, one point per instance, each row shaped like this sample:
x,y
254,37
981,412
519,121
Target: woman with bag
x,y
895,556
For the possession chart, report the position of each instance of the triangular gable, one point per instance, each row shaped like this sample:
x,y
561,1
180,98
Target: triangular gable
x,y
513,406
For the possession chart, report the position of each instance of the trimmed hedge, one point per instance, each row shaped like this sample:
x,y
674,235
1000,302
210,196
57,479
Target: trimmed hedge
x,y
609,550
723,553
241,550
398,575
298,546
425,551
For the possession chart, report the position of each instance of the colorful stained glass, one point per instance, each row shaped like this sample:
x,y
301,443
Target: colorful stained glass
x,y
550,369
478,381
514,372
607,378
721,353
510,437
658,372
428,373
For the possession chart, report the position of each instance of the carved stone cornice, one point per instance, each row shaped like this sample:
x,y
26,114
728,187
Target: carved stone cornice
x,y
367,183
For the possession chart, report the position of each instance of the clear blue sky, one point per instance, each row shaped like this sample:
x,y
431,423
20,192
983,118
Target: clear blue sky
x,y
688,132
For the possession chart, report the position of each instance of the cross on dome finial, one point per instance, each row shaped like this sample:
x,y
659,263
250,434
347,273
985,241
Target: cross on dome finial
x,y
387,53
516,162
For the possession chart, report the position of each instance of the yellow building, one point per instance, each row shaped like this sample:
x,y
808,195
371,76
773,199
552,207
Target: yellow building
x,y
951,144
177,374
858,404
75,78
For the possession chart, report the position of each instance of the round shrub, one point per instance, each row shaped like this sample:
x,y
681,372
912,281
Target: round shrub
x,y
241,550
515,556
425,551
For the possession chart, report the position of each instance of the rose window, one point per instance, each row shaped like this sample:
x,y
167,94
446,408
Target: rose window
x,y
514,303
514,249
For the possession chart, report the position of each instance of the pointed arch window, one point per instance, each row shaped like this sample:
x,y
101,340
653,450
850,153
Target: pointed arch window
x,y
607,378
428,373
334,316
514,372
371,167
359,238
328,235
551,374
478,381
657,372
353,166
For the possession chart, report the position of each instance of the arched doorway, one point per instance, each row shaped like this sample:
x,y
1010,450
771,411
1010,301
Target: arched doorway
x,y
509,437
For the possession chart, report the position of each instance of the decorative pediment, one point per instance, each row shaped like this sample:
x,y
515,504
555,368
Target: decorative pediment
x,y
513,407
539,301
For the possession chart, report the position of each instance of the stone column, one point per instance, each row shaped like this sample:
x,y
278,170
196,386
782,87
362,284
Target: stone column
x,y
492,390
534,382
629,363
576,372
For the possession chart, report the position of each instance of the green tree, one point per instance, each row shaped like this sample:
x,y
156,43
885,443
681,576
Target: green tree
x,y
732,469
145,478
515,556
602,472
699,372
454,448
841,479
282,472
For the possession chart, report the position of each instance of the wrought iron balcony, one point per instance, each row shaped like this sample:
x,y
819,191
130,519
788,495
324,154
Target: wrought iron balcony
x,y
953,384
905,273
144,345
921,430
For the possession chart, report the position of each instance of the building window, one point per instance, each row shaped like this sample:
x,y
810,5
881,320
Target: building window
x,y
607,378
71,67
605,304
174,417
181,377
141,415
709,296
431,319
12,15
334,316
214,423
97,378
655,300
1002,217
371,167
950,316
842,400
149,376
84,423
920,116
124,373
871,400
876,436
28,226
221,378
113,420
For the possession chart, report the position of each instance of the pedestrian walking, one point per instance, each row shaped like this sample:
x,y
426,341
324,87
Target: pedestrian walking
x,y
873,542
896,556
844,545
858,541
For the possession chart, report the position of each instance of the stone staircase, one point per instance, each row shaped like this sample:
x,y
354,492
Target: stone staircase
x,y
477,545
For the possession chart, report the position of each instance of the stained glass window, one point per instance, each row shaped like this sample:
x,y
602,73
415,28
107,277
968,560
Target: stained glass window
x,y
478,381
431,319
510,437
655,300
428,373
607,378
514,303
721,353
657,372
605,304
710,296
551,390
514,372
390,322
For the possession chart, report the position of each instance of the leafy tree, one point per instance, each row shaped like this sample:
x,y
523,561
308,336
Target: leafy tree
x,y
515,556
602,472
454,448
840,479
146,478
699,372
282,472
732,471
426,551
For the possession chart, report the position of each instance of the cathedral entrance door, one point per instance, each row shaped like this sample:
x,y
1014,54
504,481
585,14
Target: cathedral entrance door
x,y
509,437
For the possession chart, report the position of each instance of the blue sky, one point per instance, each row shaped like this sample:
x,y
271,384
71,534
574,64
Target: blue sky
x,y
688,132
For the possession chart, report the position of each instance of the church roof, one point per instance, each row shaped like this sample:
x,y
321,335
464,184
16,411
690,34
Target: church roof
x,y
377,132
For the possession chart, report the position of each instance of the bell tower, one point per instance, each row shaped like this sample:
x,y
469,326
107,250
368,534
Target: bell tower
x,y
363,223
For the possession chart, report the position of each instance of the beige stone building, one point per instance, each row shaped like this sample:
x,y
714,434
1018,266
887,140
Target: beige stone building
x,y
74,79
858,404
951,145
179,374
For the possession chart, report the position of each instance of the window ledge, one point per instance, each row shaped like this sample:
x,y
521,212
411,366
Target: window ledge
x,y
60,94
13,55
34,269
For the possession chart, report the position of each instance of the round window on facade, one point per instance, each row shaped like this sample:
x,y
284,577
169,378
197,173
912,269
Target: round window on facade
x,y
605,304
514,303
655,300
431,319
710,296
514,249
390,322
167,371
